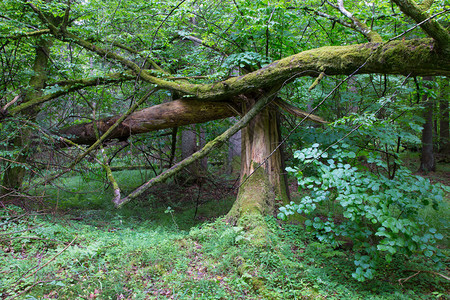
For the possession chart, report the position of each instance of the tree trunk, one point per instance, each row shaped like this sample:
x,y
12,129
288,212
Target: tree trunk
x,y
202,143
14,174
234,154
427,161
189,146
262,182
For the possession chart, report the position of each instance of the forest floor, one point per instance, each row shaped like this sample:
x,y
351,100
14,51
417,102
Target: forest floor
x,y
173,244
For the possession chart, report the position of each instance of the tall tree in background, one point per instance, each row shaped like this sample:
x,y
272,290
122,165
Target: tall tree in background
x,y
427,160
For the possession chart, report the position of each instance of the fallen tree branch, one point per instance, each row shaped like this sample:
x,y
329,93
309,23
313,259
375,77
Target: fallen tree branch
x,y
51,259
403,280
166,115
397,58
39,268
218,141
297,112
102,138
11,102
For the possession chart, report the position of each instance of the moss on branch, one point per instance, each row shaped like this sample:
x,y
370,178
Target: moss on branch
x,y
70,86
415,57
431,27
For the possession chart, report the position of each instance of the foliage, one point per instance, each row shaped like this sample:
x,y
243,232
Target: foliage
x,y
108,254
159,247
380,216
246,60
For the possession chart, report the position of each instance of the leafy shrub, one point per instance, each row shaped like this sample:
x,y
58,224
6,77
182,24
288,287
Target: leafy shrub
x,y
245,60
379,215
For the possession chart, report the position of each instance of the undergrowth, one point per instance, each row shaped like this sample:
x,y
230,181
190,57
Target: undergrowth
x,y
104,255
172,244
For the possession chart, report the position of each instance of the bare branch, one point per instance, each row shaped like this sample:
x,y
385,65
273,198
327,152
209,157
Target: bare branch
x,y
185,88
102,138
50,260
417,25
26,34
297,112
331,18
11,102
359,26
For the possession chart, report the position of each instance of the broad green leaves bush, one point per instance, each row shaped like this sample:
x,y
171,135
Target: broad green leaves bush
x,y
380,216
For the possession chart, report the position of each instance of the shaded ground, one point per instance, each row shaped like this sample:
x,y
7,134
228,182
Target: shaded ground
x,y
108,256
145,251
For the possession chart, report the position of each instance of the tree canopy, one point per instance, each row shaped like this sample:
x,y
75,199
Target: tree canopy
x,y
134,67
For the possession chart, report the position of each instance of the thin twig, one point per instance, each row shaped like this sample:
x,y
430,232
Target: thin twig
x,y
33,238
418,24
402,280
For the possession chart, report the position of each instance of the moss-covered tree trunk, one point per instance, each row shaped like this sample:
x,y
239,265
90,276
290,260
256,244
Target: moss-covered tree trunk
x,y
14,174
262,181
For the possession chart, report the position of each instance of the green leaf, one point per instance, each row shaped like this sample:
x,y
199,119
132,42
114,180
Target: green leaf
x,y
438,236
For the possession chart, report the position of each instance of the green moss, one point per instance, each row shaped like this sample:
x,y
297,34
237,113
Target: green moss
x,y
256,196
394,55
256,229
248,273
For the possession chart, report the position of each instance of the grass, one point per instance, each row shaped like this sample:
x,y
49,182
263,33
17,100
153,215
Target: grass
x,y
82,248
108,256
438,219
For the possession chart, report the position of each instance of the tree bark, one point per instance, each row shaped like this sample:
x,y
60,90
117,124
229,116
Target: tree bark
x,y
409,57
167,115
234,153
189,146
262,182
214,144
